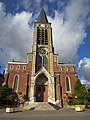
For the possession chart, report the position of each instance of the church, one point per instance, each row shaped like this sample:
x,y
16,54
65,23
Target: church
x,y
42,78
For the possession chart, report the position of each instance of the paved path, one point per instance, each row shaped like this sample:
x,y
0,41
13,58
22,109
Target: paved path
x,y
62,114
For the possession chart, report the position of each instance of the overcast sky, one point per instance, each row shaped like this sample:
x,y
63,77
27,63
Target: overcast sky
x,y
70,24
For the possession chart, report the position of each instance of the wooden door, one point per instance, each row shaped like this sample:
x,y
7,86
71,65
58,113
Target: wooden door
x,y
45,93
41,93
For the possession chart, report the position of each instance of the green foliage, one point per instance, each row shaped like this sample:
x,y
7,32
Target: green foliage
x,y
89,96
81,94
4,94
70,101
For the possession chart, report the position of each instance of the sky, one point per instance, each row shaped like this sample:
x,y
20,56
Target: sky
x,y
70,26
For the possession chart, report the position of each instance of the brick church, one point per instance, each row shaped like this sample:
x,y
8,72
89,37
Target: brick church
x,y
42,78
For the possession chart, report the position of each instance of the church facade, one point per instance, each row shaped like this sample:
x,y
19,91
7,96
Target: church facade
x,y
42,78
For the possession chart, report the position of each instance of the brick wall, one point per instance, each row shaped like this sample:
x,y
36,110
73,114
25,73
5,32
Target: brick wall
x,y
23,76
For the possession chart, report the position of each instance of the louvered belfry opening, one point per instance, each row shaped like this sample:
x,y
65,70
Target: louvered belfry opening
x,y
42,36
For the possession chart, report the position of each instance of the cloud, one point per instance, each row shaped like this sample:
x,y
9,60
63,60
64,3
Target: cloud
x,y
31,5
83,81
88,20
69,29
84,69
26,4
15,35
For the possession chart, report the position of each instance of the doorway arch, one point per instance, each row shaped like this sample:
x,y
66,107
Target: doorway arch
x,y
41,88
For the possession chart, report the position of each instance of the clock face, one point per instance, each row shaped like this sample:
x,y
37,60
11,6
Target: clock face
x,y
42,51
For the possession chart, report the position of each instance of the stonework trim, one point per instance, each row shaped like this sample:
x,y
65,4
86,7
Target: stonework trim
x,y
67,64
16,63
45,72
66,72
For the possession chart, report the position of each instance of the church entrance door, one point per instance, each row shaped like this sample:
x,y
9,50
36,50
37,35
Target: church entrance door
x,y
42,93
41,88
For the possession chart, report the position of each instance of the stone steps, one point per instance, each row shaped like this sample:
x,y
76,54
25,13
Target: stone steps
x,y
39,106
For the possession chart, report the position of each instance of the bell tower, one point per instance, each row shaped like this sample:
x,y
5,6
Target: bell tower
x,y
42,44
42,60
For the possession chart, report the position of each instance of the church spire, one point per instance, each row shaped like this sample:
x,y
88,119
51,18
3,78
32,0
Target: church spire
x,y
42,17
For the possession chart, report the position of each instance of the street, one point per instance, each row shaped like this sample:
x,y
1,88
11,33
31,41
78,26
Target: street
x,y
63,114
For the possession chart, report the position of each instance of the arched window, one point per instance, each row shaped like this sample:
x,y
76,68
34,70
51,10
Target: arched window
x,y
66,69
72,69
18,67
11,67
60,69
68,85
24,67
15,83
46,37
43,36
38,35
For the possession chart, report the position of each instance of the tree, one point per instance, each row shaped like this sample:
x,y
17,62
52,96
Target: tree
x,y
81,94
89,96
4,93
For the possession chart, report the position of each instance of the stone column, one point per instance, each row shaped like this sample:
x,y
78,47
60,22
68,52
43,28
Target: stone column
x,y
53,90
32,90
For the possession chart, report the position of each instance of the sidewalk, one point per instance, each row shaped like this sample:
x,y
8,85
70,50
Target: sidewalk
x,y
61,112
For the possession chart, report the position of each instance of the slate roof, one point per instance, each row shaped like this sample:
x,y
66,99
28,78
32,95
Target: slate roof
x,y
42,17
